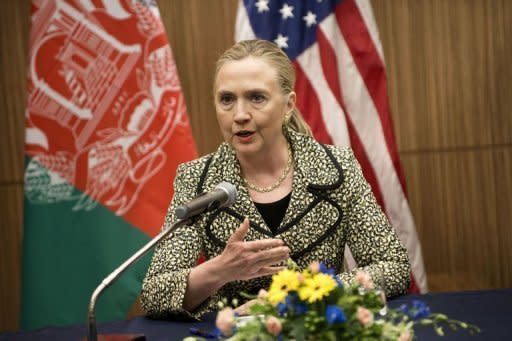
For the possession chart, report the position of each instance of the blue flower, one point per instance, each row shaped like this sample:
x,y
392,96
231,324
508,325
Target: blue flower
x,y
404,309
282,309
334,314
291,298
300,308
324,269
420,310
292,302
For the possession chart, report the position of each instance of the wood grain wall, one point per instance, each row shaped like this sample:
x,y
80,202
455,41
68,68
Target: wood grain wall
x,y
449,67
14,29
449,70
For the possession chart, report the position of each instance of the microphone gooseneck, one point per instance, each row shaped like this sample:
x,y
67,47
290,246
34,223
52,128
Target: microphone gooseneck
x,y
223,195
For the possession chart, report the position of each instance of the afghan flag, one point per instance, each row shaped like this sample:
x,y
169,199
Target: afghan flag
x,y
106,127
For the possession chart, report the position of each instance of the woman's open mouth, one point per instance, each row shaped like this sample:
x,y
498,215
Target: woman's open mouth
x,y
244,135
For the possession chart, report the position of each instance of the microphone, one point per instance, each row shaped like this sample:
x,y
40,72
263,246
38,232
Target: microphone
x,y
223,195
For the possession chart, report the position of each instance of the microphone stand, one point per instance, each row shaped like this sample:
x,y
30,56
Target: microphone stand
x,y
92,334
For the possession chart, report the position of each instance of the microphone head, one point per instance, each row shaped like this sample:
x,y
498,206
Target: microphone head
x,y
230,190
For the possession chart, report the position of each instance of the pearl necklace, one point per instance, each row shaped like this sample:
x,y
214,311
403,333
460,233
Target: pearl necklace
x,y
279,181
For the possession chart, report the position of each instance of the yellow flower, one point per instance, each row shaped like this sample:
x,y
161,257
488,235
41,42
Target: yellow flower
x,y
282,282
316,287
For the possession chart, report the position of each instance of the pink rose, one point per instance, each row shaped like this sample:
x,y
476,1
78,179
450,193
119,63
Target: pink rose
x,y
225,321
364,279
364,316
314,267
405,336
273,325
262,294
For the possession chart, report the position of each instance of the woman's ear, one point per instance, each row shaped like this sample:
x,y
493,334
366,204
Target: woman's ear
x,y
290,104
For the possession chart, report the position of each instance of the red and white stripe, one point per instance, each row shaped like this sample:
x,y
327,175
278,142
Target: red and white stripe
x,y
354,109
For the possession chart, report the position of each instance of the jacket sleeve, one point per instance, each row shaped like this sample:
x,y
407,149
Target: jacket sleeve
x,y
370,237
164,286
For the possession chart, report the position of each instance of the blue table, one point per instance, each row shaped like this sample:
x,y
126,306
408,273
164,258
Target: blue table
x,y
489,310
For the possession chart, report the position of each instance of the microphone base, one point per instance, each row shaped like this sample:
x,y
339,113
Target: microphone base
x,y
120,337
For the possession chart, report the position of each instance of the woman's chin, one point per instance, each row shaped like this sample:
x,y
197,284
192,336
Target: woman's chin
x,y
246,148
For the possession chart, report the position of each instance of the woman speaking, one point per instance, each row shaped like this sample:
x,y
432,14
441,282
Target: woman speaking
x,y
297,198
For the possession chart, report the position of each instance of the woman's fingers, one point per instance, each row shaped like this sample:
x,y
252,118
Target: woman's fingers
x,y
262,244
267,271
268,260
244,260
272,256
240,233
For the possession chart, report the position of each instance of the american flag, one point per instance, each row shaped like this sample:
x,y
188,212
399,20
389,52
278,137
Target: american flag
x,y
341,92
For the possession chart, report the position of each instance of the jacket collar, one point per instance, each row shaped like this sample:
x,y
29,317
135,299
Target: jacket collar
x,y
305,151
315,170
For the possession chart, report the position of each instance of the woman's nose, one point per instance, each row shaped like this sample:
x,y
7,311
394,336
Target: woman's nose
x,y
241,112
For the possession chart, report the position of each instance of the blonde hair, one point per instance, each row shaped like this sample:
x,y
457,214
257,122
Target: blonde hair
x,y
276,58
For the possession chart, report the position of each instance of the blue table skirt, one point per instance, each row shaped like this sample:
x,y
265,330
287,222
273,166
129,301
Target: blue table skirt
x,y
489,310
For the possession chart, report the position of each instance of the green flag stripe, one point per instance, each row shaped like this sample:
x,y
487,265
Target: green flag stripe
x,y
66,255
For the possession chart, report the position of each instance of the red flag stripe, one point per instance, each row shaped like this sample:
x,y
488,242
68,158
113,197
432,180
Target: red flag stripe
x,y
329,62
362,113
360,110
310,106
371,69
365,9
332,113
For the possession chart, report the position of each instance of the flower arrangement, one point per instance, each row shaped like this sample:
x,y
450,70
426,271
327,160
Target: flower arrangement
x,y
315,305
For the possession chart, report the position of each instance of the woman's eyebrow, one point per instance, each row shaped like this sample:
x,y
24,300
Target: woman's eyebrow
x,y
256,90
224,92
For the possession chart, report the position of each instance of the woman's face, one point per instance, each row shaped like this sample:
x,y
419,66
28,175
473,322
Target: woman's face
x,y
250,105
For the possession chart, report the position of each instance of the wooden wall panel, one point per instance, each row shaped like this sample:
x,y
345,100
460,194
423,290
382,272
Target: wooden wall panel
x,y
455,202
14,24
503,179
448,65
14,28
447,69
199,31
11,201
502,56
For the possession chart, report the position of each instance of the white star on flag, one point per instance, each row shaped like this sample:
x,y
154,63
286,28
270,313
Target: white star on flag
x,y
286,11
310,19
262,5
281,41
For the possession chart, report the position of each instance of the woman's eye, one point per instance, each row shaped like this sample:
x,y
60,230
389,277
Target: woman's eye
x,y
258,98
226,99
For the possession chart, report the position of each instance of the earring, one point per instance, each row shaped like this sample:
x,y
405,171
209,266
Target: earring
x,y
287,117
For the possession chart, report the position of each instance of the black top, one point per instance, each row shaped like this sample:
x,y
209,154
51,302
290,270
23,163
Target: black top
x,y
273,212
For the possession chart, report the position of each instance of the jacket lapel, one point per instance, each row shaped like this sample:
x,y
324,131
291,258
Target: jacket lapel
x,y
310,216
225,167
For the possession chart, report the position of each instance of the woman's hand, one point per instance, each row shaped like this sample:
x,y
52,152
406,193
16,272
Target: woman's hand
x,y
243,260
240,260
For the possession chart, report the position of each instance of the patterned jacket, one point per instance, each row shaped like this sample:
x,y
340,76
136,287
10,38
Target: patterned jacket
x,y
331,206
